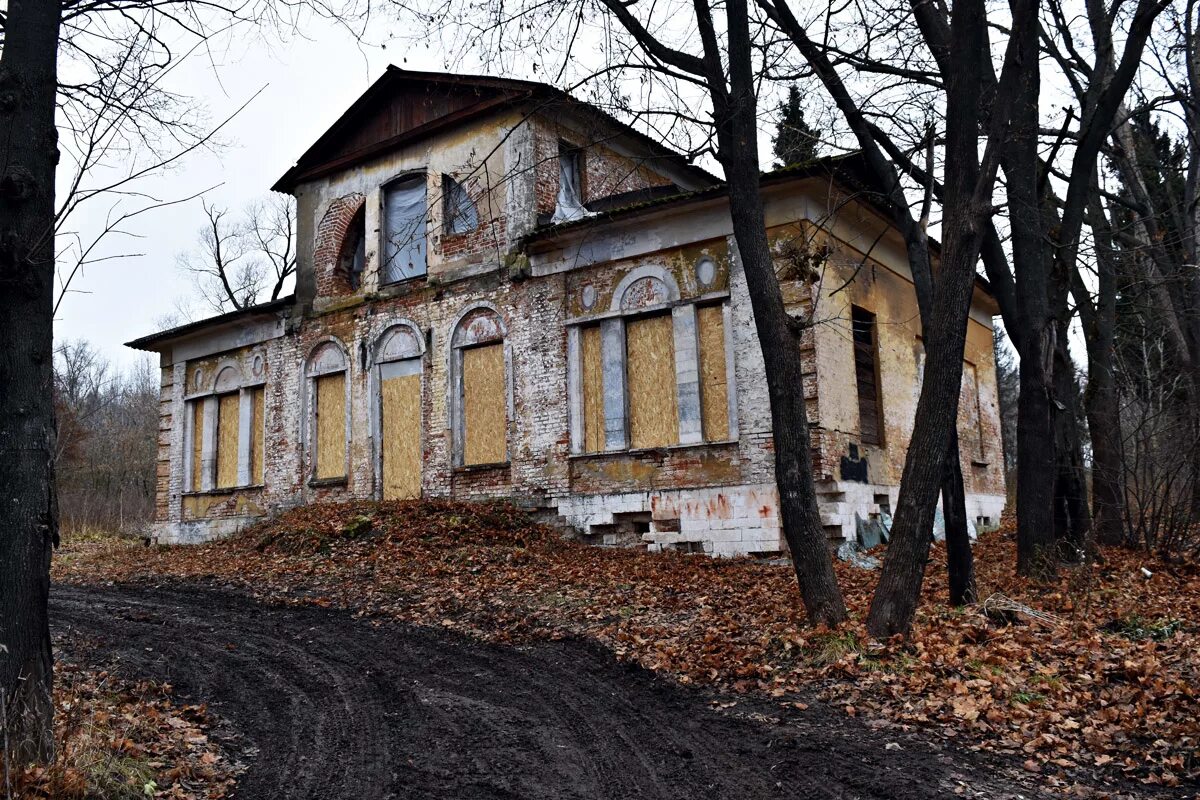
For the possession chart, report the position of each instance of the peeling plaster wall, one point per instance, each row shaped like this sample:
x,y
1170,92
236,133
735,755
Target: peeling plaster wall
x,y
715,497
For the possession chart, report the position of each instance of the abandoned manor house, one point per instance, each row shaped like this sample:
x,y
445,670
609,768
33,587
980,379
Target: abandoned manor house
x,y
504,292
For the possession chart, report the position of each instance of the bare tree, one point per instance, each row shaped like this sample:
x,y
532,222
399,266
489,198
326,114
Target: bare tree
x,y
111,110
240,263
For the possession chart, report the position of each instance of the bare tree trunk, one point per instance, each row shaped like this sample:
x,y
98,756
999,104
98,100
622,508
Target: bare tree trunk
x,y
960,561
28,515
896,597
1073,520
777,332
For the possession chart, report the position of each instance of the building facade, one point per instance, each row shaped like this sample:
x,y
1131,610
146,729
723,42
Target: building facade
x,y
503,292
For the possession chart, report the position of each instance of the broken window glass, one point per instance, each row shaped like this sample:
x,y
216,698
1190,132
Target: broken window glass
x,y
570,184
404,212
460,213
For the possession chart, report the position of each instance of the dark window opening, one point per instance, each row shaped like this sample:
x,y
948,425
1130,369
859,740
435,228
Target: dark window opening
x,y
353,258
866,376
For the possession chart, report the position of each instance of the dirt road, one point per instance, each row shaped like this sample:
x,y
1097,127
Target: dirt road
x,y
326,706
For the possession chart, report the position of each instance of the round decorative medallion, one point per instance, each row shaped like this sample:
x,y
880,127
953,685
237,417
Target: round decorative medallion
x,y
706,271
197,378
587,297
256,366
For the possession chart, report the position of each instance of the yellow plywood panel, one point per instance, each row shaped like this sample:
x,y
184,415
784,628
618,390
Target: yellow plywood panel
x,y
485,413
197,445
227,441
593,391
650,360
257,425
714,389
331,426
401,431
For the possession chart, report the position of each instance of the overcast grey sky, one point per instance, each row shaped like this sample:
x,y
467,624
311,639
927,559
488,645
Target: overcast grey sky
x,y
308,83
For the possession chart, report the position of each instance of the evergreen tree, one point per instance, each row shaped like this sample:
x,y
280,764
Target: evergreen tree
x,y
795,141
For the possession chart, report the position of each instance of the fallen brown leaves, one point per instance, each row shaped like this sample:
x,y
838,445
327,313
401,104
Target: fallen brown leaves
x,y
117,739
1108,685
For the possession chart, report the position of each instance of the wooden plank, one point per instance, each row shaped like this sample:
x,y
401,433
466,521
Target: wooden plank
x,y
593,390
650,365
227,441
485,408
331,426
257,435
401,436
714,389
197,445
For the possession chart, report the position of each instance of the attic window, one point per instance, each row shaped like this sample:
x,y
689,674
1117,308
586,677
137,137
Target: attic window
x,y
458,208
570,184
404,213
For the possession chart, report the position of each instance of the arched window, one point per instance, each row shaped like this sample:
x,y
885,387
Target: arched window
x,y
329,417
480,388
353,257
225,426
653,372
398,376
458,209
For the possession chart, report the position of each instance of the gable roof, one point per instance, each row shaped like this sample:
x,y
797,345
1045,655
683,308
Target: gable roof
x,y
405,106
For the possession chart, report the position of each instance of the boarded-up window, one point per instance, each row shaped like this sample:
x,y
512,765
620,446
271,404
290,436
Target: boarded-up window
x,y
650,376
257,423
330,439
870,418
227,441
400,407
593,390
197,445
485,415
714,389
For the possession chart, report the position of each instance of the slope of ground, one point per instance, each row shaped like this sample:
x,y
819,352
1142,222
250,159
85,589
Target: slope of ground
x,y
1101,689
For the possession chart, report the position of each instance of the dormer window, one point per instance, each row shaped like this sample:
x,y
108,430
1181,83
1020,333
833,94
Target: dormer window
x,y
457,207
404,211
570,184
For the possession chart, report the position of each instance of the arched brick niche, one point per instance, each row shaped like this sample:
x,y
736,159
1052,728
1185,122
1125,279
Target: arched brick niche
x,y
340,234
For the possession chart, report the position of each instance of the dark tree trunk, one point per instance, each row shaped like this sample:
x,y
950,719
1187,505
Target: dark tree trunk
x,y
960,561
1073,520
28,514
777,333
895,600
1101,401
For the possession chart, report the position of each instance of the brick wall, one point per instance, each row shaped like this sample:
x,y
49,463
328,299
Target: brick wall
x,y
331,278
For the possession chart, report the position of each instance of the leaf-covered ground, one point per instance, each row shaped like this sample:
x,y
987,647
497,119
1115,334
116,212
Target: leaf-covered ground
x,y
118,739
1102,688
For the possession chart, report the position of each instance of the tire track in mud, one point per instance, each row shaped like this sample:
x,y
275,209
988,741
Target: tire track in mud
x,y
326,706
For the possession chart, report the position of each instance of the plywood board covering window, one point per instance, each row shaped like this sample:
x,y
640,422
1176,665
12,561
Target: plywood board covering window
x,y
593,390
714,388
866,376
227,441
485,414
400,402
650,365
330,391
197,445
257,422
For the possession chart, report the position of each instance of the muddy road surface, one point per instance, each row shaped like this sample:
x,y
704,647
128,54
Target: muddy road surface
x,y
320,705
